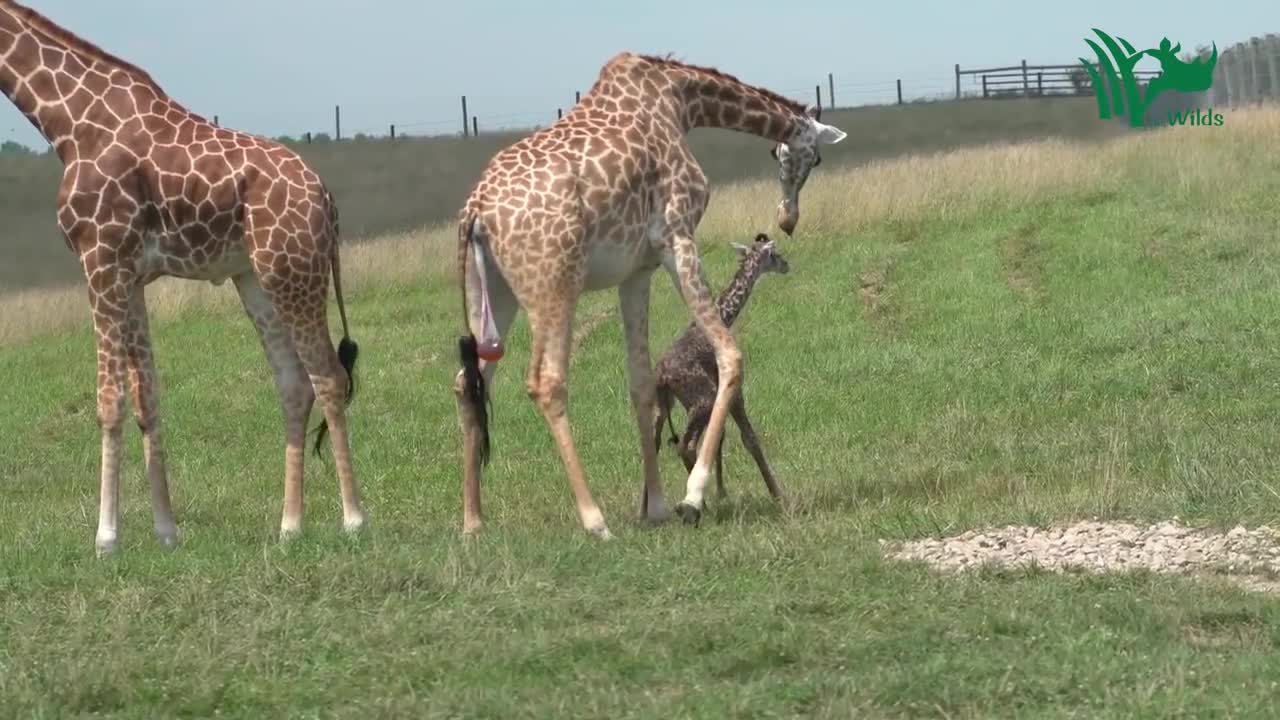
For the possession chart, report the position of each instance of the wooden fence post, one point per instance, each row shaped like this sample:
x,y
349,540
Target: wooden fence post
x,y
899,91
464,116
215,121
1273,63
817,93
957,81
831,90
577,97
475,127
337,122
308,137
984,87
559,113
1040,84
1026,83
1255,50
393,132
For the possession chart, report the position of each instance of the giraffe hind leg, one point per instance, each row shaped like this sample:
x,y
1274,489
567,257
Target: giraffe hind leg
x,y
301,303
296,394
146,411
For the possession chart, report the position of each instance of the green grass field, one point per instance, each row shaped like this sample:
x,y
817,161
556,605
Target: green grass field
x,y
1025,333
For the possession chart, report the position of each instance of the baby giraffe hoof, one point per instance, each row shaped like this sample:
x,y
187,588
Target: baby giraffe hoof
x,y
601,533
690,514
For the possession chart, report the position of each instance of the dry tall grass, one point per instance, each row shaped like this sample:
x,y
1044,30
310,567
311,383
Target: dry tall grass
x,y
387,187
991,178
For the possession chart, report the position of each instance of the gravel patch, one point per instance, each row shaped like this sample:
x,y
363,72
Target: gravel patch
x,y
1249,558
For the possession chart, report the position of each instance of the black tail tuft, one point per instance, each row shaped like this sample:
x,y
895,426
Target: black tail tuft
x,y
474,391
348,351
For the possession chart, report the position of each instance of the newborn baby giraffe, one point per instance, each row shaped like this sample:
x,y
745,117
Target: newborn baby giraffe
x,y
688,372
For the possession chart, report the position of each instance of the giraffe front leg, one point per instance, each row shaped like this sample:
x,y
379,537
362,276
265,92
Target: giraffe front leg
x,y
634,305
110,325
296,394
684,265
146,411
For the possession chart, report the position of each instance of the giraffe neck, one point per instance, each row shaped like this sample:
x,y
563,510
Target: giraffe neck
x,y
720,101
76,94
734,297
690,96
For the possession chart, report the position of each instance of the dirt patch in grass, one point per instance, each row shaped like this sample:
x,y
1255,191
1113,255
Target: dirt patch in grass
x,y
1249,558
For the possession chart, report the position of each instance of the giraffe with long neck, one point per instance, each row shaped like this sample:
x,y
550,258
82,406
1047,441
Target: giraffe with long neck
x,y
151,189
687,370
601,199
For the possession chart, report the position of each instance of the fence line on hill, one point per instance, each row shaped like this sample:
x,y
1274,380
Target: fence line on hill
x,y
1246,72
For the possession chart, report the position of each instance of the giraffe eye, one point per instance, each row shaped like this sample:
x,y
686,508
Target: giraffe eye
x,y
773,152
817,161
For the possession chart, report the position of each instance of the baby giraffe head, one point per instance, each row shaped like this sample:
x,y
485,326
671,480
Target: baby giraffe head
x,y
796,158
761,256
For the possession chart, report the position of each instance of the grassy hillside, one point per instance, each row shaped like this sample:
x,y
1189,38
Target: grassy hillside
x,y
1027,333
387,187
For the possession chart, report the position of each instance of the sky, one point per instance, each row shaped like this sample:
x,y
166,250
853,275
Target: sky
x,y
278,67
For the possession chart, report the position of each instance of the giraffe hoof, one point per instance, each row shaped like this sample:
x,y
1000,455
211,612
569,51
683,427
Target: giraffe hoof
x,y
168,538
353,525
106,547
289,533
601,533
690,514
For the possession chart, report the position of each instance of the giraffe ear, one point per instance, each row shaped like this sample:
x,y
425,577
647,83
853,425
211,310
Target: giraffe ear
x,y
829,134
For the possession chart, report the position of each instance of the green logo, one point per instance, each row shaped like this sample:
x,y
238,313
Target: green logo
x,y
1114,73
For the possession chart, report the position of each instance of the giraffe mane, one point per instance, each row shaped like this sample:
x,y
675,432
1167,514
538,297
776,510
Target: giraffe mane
x,y
668,61
43,25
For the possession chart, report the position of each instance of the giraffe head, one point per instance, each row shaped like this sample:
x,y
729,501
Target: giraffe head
x,y
796,158
764,255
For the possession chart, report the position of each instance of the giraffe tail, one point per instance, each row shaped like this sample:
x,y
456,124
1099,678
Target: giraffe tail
x,y
663,402
474,393
348,350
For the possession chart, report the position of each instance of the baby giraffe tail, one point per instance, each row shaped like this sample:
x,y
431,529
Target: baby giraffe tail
x,y
663,401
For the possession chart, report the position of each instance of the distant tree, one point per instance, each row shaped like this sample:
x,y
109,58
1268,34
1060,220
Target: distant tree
x,y
9,147
287,140
321,138
362,137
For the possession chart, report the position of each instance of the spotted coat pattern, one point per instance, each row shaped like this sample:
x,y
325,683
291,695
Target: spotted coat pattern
x,y
687,371
601,199
151,189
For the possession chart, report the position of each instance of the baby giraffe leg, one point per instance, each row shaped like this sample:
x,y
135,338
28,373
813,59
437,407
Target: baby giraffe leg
x,y
739,411
693,286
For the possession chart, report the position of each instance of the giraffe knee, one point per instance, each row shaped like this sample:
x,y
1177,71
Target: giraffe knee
x,y
550,393
729,364
111,411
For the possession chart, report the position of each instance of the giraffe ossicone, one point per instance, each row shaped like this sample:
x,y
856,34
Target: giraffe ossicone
x,y
601,199
151,189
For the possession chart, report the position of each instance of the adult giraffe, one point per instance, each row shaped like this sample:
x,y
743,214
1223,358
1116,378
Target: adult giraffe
x,y
601,199
151,189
